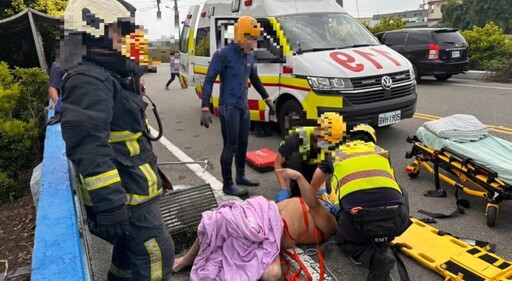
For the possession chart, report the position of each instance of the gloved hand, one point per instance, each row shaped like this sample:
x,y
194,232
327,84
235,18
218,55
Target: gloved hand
x,y
283,194
206,118
113,223
271,106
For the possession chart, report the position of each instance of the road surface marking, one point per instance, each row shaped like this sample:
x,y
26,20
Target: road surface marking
x,y
481,86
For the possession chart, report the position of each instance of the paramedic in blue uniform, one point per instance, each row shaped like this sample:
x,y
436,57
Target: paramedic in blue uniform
x,y
103,125
374,208
235,65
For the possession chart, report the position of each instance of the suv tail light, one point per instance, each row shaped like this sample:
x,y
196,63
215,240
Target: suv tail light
x,y
434,51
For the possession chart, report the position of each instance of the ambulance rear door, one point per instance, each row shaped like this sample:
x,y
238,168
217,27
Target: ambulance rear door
x,y
187,44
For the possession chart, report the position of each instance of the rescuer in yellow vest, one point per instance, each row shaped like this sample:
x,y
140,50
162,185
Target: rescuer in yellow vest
x,y
303,148
374,208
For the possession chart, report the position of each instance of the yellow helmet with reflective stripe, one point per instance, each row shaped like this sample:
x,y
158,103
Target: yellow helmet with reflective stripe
x,y
332,127
246,25
364,132
91,16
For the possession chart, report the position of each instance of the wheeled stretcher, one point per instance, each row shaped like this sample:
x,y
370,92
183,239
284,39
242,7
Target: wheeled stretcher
x,y
485,164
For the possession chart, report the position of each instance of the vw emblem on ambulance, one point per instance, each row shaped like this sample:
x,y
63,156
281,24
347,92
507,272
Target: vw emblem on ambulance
x,y
386,82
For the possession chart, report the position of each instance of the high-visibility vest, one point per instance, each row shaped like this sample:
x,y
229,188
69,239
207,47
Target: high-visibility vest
x,y
360,166
305,148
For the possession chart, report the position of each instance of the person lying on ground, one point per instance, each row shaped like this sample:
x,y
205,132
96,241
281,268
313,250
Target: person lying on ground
x,y
242,241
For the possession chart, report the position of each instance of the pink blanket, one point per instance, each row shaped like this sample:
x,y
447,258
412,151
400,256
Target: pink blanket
x,y
238,241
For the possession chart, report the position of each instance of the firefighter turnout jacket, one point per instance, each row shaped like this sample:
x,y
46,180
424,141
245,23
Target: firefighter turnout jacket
x,y
103,124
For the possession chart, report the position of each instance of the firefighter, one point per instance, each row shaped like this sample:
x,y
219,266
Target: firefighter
x,y
303,148
234,64
374,208
103,125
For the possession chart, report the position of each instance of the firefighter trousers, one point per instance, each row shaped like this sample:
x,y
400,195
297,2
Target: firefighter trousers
x,y
147,252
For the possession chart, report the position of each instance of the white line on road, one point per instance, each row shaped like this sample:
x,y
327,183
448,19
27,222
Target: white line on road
x,y
216,185
480,86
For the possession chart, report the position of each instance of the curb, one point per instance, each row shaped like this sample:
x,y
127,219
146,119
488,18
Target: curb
x,y
474,75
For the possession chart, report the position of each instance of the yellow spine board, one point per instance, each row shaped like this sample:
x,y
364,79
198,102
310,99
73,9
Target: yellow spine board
x,y
452,258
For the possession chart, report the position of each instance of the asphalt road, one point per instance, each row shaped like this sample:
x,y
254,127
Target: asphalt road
x,y
490,102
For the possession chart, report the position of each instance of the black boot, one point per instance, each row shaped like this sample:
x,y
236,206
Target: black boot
x,y
231,189
380,266
242,180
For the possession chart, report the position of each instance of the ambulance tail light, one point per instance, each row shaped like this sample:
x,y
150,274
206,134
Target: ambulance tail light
x,y
287,69
247,3
203,14
434,51
189,16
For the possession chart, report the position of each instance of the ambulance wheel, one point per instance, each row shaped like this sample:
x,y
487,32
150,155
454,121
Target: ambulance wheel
x,y
492,212
291,114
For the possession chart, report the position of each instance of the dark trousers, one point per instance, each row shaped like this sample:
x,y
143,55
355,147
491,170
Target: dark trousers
x,y
351,240
295,162
173,76
235,124
147,253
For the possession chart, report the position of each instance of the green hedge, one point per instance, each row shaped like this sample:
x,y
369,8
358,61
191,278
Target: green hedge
x,y
491,50
23,96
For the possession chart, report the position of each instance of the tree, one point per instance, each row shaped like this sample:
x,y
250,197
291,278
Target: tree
x,y
388,23
51,7
477,12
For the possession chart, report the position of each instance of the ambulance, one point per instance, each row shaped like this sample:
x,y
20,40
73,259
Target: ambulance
x,y
312,57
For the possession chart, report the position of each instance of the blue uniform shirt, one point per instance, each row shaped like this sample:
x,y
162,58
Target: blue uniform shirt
x,y
234,68
56,74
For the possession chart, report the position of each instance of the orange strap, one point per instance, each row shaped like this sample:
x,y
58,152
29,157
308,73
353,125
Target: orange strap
x,y
294,256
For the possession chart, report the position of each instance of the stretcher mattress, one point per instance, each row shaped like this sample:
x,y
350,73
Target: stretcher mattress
x,y
490,152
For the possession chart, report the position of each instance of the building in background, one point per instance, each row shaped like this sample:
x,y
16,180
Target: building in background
x,y
409,16
434,9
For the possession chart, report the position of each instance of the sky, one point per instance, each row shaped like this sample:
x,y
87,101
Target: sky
x,y
164,28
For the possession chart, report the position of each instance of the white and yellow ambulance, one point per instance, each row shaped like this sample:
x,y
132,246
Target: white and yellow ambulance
x,y
312,57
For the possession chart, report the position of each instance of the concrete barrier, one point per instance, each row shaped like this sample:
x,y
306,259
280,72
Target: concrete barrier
x,y
59,250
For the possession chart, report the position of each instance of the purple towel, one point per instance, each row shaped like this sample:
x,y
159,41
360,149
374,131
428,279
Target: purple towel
x,y
238,241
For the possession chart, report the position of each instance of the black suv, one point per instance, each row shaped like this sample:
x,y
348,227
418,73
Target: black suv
x,y
441,52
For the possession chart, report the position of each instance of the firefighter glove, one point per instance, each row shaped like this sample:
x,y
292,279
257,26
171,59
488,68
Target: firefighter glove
x,y
206,119
271,106
113,223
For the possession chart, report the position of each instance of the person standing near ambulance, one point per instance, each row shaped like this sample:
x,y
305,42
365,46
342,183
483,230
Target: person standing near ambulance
x,y
234,64
103,125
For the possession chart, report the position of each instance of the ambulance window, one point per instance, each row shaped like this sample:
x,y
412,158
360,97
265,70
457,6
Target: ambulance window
x,y
395,38
268,49
184,39
203,42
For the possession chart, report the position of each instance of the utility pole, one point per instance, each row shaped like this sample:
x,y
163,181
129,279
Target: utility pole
x,y
177,18
158,12
357,6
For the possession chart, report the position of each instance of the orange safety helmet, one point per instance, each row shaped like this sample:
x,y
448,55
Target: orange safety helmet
x,y
246,25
